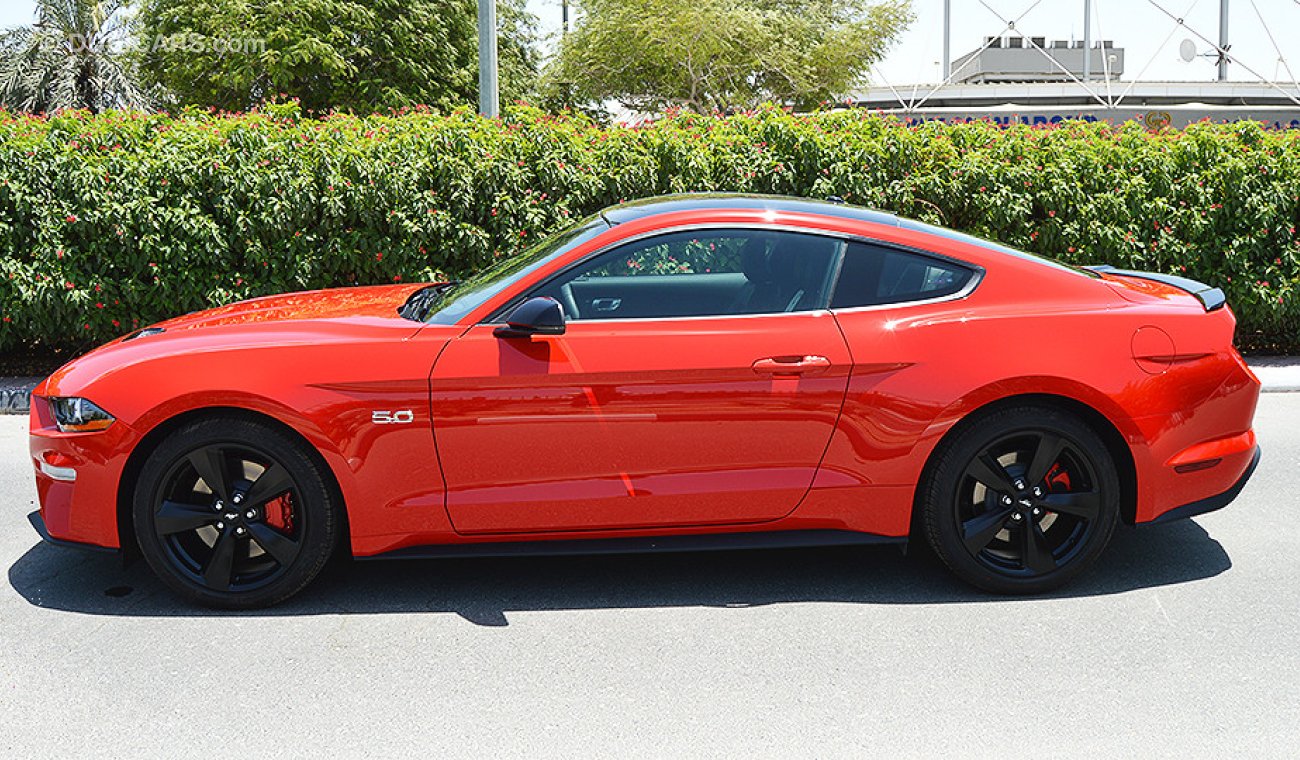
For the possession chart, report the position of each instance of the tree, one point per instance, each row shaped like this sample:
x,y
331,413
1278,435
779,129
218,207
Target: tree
x,y
722,54
74,56
359,55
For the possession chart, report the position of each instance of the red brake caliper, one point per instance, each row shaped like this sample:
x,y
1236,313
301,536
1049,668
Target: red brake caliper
x,y
279,514
1058,480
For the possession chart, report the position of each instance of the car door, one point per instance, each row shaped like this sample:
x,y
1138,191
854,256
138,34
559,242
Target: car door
x,y
655,418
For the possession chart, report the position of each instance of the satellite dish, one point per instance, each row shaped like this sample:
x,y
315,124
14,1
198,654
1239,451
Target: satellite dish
x,y
1187,51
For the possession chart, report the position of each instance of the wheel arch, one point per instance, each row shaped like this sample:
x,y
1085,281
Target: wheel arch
x,y
1114,439
159,432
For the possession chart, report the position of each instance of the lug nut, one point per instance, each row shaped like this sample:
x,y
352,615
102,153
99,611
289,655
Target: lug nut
x,y
1038,491
250,514
239,497
1006,500
218,506
1016,517
221,525
239,531
1037,511
1019,484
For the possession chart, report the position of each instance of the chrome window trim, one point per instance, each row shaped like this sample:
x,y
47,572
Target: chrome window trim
x,y
977,272
976,277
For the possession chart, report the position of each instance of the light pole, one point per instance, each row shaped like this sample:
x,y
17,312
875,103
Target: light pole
x,y
1087,40
947,39
1223,40
489,99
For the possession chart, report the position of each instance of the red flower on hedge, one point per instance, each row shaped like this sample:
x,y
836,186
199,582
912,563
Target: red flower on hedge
x,y
70,218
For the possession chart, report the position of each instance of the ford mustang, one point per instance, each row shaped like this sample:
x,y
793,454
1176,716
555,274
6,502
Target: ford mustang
x,y
680,373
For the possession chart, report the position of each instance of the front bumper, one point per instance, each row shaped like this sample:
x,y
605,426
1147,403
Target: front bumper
x,y
38,523
78,477
1210,504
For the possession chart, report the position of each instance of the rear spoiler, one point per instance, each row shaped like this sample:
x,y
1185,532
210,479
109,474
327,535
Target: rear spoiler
x,y
1211,298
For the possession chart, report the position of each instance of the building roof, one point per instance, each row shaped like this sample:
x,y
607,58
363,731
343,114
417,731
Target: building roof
x,y
1037,94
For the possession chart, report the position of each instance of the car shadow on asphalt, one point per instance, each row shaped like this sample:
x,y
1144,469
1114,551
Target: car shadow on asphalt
x,y
485,591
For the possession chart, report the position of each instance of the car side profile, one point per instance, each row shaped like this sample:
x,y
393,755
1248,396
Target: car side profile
x,y
680,373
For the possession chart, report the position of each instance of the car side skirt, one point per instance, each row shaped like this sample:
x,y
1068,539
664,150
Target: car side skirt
x,y
778,539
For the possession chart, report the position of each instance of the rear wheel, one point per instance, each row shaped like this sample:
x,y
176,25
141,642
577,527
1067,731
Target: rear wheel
x,y
1021,500
234,514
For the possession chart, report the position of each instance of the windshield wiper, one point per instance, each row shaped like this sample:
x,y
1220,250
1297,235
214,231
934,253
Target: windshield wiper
x,y
422,301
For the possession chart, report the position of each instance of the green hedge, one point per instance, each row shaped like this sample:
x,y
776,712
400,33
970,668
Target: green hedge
x,y
120,219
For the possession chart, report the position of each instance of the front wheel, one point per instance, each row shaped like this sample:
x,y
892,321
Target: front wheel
x,y
234,513
1021,500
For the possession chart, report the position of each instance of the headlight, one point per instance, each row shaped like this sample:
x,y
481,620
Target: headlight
x,y
79,415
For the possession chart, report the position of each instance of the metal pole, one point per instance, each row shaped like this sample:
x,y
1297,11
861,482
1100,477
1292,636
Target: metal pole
x,y
947,39
564,16
489,100
1087,40
1223,40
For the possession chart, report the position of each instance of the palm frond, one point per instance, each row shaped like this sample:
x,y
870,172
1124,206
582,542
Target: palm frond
x,y
72,57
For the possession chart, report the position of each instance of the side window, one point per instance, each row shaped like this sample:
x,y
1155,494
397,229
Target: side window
x,y
700,273
874,274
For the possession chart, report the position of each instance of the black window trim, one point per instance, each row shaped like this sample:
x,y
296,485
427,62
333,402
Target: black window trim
x,y
499,314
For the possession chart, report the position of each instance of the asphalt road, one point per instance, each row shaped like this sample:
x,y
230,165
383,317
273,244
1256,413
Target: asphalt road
x,y
1185,643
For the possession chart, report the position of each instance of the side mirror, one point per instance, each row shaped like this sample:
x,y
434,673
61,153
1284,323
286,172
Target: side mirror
x,y
536,316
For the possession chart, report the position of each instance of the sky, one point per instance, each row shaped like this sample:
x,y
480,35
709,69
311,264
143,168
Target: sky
x,y
1150,38
1136,25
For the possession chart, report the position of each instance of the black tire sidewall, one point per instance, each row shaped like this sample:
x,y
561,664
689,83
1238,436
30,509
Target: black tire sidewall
x,y
943,479
315,501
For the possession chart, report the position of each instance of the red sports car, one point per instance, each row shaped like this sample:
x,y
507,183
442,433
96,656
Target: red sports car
x,y
681,373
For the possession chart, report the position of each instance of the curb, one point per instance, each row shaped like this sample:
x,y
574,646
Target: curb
x,y
15,393
1277,374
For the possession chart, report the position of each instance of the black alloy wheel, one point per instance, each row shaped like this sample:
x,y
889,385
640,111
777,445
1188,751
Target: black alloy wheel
x,y
234,513
1022,500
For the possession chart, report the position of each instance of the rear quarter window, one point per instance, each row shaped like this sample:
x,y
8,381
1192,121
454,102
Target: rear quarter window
x,y
873,275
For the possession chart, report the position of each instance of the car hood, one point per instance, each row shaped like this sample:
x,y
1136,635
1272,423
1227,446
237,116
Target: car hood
x,y
343,317
380,301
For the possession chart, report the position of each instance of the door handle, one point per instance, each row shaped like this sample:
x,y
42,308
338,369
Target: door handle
x,y
606,304
792,365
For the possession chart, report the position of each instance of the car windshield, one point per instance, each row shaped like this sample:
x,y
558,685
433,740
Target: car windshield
x,y
466,296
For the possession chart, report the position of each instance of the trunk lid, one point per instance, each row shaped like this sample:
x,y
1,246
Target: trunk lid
x,y
1146,287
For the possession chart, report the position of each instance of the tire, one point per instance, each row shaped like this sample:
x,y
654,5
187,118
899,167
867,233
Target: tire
x,y
257,537
1021,500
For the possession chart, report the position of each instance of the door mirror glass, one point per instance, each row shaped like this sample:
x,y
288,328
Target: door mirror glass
x,y
536,316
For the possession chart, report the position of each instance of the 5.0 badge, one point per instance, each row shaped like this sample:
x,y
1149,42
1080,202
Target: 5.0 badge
x,y
399,417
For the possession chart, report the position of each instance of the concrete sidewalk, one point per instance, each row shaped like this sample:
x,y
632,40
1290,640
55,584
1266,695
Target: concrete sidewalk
x,y
14,392
1277,373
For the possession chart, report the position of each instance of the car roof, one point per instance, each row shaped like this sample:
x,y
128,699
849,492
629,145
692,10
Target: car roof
x,y
664,204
